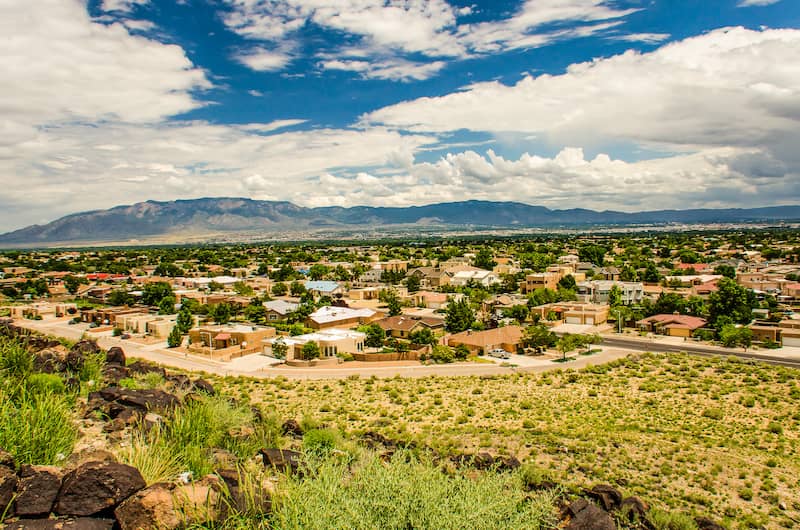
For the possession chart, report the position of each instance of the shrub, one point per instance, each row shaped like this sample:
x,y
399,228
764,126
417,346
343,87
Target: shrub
x,y
662,520
37,427
775,428
44,383
320,440
406,493
92,368
15,359
156,461
713,413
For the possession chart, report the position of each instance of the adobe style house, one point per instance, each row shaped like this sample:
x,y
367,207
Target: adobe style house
x,y
341,317
431,277
597,291
228,341
323,287
401,326
330,341
672,325
508,338
573,313
541,280
481,277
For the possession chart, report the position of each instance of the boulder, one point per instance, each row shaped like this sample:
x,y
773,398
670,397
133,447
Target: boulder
x,y
114,373
139,367
7,460
152,507
140,399
50,361
282,459
85,347
376,439
97,486
179,380
584,515
36,343
37,490
484,461
292,428
80,523
704,523
606,496
8,485
76,460
201,385
115,355
634,509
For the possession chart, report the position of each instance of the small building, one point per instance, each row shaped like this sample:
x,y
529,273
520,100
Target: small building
x,y
481,277
508,338
401,326
588,314
597,291
541,280
278,310
672,325
228,341
331,342
323,287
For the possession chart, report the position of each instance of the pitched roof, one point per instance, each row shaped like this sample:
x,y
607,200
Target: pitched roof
x,y
675,321
332,314
406,323
281,306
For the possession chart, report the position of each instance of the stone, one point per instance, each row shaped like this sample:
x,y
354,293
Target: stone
x,y
634,509
97,486
80,523
8,485
180,380
292,428
584,515
282,459
152,507
114,373
76,460
37,490
115,355
139,367
704,523
85,347
201,385
607,496
7,460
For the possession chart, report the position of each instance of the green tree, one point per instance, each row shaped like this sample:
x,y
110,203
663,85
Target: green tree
x,y
568,343
174,338
731,300
375,335
119,297
215,286
243,289
422,335
310,350
568,282
279,289
651,274
392,301
725,270
668,303
412,283
484,259
538,336
73,283
256,313
628,274
461,352
297,288
459,316
220,313
615,296
517,312
318,271
279,348
732,336
593,254
166,306
153,293
185,321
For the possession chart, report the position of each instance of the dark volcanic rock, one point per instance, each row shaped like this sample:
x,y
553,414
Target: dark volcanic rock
x,y
8,485
140,399
7,460
80,523
607,496
97,486
37,490
292,428
282,459
485,461
114,373
139,367
115,355
634,509
201,385
583,515
704,523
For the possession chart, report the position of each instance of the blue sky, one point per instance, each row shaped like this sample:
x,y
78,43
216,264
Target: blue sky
x,y
618,104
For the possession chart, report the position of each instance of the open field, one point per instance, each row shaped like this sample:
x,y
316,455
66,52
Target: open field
x,y
706,436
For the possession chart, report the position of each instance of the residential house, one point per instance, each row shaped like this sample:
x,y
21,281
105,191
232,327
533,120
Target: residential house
x,y
508,338
672,325
540,280
330,341
229,340
588,314
431,277
481,277
597,291
401,326
323,287
341,317
278,310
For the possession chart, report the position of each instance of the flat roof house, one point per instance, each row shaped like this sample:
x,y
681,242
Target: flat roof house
x,y
330,341
341,317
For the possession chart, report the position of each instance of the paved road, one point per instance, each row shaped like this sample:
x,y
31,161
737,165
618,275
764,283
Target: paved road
x,y
659,346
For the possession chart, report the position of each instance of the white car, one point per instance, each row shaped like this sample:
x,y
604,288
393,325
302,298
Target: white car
x,y
500,353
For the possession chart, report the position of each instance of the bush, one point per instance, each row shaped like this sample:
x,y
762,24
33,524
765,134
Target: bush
x,y
320,440
775,428
44,383
15,359
406,493
662,520
713,413
442,354
37,427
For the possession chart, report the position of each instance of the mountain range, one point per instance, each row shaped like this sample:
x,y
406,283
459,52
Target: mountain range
x,y
196,218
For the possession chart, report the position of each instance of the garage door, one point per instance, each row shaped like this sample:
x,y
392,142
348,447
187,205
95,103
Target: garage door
x,y
590,321
573,320
791,341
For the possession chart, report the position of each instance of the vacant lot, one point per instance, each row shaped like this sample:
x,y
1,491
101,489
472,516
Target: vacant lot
x,y
705,436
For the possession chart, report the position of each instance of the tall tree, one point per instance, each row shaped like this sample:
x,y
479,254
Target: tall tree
x,y
459,316
733,301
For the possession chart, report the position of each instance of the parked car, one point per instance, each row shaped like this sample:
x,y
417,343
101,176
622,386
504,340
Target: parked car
x,y
500,353
125,336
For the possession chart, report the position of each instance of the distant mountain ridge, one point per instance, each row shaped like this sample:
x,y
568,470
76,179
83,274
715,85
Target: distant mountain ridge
x,y
229,215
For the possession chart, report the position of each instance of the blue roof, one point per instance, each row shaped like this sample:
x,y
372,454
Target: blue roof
x,y
321,286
